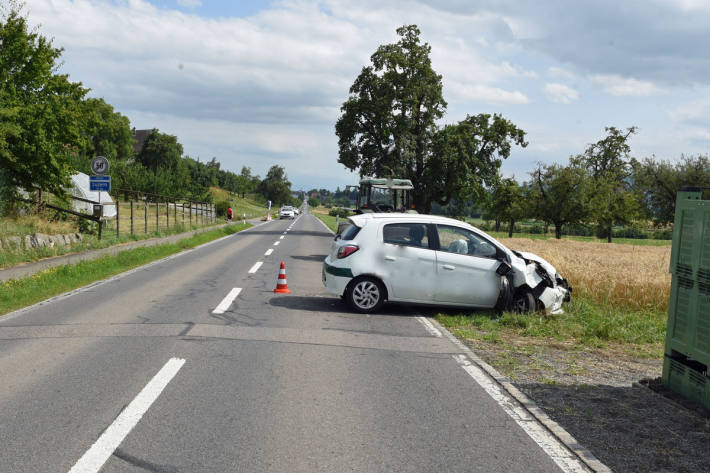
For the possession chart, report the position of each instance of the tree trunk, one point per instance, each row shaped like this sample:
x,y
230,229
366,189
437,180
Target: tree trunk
x,y
608,234
497,224
511,228
558,231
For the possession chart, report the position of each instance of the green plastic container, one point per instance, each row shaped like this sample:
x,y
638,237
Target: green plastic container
x,y
687,349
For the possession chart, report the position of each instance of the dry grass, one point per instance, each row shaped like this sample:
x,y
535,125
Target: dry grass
x,y
629,276
28,224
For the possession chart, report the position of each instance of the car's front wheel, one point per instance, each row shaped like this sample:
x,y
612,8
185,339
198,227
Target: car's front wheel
x,y
524,302
365,295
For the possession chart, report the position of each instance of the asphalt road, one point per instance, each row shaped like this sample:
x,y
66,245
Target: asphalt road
x,y
276,383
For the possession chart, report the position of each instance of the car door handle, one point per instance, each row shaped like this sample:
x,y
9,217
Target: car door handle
x,y
390,258
449,267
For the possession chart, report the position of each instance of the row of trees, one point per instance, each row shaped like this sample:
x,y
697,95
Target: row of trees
x,y
388,128
603,187
49,129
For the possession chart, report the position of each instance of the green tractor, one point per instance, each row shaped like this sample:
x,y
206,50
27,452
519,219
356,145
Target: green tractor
x,y
384,195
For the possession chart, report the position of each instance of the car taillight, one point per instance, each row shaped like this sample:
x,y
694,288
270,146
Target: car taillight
x,y
347,250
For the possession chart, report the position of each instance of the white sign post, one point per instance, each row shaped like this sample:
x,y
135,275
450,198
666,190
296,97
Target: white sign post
x,y
100,166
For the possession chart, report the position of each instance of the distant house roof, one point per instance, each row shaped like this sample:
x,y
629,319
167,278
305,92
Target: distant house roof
x,y
139,137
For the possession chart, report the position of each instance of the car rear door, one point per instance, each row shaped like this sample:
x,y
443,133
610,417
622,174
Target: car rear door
x,y
465,268
408,262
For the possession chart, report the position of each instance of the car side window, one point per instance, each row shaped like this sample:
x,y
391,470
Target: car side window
x,y
464,242
406,234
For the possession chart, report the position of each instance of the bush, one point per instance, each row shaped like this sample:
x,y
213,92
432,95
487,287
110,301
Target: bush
x,y
536,229
342,213
221,207
633,231
664,234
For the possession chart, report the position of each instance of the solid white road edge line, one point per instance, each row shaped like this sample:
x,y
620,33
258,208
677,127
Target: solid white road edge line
x,y
428,326
565,459
227,301
108,442
256,267
277,243
572,444
269,251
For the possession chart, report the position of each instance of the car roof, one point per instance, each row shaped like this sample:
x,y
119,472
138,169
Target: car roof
x,y
410,217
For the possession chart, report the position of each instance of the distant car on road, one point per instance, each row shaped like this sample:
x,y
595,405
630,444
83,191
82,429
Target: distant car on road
x,y
287,212
435,260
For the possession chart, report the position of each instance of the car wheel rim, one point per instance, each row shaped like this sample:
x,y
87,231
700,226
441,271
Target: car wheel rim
x,y
366,295
521,305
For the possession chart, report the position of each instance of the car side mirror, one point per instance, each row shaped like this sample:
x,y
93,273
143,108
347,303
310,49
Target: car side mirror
x,y
503,269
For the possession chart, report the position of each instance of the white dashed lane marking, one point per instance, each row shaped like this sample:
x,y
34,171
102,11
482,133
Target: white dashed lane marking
x,y
277,243
256,267
108,442
227,301
269,251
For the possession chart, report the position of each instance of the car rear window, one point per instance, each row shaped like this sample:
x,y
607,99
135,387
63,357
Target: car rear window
x,y
350,232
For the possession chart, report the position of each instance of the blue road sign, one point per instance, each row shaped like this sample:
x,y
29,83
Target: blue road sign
x,y
100,183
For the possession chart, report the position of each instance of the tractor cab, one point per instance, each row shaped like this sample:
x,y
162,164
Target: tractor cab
x,y
384,195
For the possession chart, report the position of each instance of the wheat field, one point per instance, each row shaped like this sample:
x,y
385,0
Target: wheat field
x,y
628,276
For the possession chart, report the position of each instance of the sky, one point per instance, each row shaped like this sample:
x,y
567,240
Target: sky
x,y
260,83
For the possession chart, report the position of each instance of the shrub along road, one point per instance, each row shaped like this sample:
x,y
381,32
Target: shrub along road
x,y
194,364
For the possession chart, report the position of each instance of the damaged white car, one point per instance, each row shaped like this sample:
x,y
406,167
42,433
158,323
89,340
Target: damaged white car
x,y
427,259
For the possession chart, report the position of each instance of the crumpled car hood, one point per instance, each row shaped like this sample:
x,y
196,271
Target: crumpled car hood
x,y
551,291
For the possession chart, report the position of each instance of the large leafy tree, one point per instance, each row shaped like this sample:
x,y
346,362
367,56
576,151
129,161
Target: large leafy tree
x,y
658,181
508,202
107,132
388,128
40,109
388,121
276,186
160,150
608,163
560,195
466,157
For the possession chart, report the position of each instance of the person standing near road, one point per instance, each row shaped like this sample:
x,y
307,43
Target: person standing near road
x,y
229,213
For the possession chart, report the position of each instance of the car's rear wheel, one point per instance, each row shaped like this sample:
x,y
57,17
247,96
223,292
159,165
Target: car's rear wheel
x,y
523,302
365,295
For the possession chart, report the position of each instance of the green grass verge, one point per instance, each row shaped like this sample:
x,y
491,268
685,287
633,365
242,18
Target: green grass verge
x,y
18,293
583,323
329,221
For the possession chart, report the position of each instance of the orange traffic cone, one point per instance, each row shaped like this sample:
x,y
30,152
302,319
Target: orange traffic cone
x,y
281,284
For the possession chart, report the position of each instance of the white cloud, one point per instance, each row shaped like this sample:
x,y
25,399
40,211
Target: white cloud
x,y
560,93
190,3
619,86
484,93
691,112
266,88
556,72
